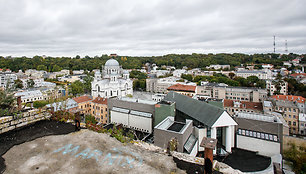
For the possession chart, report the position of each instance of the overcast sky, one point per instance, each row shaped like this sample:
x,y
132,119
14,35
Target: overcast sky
x,y
154,27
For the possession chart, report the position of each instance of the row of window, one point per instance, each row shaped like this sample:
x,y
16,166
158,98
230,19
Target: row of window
x,y
259,135
286,109
236,94
289,116
240,110
237,98
293,123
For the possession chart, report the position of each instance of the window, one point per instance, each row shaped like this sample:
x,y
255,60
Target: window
x,y
267,136
294,123
289,122
262,135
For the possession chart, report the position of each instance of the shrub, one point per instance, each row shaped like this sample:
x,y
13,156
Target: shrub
x,y
297,156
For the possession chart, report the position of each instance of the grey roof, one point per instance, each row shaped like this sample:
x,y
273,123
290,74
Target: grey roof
x,y
198,110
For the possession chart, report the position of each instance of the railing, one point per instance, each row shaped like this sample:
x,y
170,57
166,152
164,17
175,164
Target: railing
x,y
8,123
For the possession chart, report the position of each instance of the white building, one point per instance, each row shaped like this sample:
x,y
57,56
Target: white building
x,y
271,87
161,85
158,97
78,72
179,72
267,66
30,96
218,67
265,74
35,73
112,82
7,80
302,122
133,113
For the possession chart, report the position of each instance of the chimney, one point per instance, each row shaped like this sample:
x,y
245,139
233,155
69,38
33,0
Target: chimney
x,y
19,102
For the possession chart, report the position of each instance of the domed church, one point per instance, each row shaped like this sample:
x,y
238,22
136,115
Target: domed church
x,y
112,82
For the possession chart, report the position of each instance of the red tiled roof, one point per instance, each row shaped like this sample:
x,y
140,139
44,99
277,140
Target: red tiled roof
x,y
244,104
298,74
82,99
100,100
180,87
298,99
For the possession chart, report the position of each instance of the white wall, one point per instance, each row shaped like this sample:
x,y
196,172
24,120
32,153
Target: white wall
x,y
140,122
134,121
266,148
120,118
200,133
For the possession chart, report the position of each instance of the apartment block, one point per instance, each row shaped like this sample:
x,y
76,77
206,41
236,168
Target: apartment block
x,y
99,109
290,113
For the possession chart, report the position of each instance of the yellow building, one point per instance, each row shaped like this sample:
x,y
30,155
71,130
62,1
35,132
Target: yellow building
x,y
99,109
84,104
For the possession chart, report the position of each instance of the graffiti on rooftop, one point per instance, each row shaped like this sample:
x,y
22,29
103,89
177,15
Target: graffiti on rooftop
x,y
117,156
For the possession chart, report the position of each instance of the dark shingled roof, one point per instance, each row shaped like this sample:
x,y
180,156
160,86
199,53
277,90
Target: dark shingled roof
x,y
198,110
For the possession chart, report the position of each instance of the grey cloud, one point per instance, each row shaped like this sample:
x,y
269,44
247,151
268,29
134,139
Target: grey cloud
x,y
95,27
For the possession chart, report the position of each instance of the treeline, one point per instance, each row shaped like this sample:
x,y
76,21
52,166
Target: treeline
x,y
251,81
52,64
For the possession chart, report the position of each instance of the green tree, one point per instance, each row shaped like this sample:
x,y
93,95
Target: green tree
x,y
42,68
187,77
18,84
297,155
138,75
7,101
56,68
30,83
76,87
87,83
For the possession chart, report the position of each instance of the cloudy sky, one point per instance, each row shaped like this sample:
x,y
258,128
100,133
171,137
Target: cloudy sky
x,y
154,27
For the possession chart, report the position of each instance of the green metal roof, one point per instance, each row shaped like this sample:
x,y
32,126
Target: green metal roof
x,y
198,110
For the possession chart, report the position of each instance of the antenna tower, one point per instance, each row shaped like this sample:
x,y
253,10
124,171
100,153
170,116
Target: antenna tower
x,y
274,44
286,46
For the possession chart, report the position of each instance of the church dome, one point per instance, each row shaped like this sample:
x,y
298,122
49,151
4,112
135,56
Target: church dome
x,y
112,62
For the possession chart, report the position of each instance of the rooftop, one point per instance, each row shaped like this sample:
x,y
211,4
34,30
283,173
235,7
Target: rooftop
x,y
180,87
244,104
259,117
298,74
298,99
82,99
100,100
168,124
203,112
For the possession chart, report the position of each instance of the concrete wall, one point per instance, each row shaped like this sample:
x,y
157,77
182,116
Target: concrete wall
x,y
200,133
299,142
162,137
263,147
9,122
261,126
